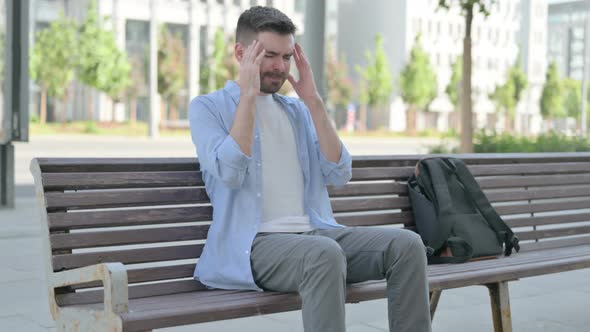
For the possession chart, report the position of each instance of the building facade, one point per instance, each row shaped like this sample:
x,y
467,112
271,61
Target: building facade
x,y
567,23
514,28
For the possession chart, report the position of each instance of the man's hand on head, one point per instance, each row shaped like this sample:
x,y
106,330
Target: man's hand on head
x,y
304,87
249,80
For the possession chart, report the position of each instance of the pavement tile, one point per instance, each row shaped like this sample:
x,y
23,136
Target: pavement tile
x,y
19,323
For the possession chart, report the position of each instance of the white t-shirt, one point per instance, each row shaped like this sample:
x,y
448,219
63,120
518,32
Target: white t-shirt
x,y
282,177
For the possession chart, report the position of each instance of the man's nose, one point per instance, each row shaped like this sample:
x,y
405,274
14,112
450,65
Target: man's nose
x,y
278,65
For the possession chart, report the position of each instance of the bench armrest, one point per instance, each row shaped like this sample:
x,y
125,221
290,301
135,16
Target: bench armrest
x,y
113,277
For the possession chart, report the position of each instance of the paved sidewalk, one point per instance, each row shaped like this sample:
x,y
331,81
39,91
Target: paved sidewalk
x,y
556,302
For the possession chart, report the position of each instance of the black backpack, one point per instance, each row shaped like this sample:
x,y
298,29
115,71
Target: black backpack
x,y
451,212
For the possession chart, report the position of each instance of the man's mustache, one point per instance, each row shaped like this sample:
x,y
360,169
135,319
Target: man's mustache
x,y
275,74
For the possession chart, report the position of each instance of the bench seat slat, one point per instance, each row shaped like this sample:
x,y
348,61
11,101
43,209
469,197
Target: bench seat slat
x,y
113,180
124,237
125,198
127,256
116,218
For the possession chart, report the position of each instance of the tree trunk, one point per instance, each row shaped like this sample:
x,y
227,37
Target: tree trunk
x,y
411,121
113,111
43,115
363,118
133,110
507,123
90,104
173,110
163,115
466,118
64,108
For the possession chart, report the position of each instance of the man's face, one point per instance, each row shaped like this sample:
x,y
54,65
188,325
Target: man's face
x,y
276,63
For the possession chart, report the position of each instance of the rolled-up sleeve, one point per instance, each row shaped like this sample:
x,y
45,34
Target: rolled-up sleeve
x,y
219,154
339,173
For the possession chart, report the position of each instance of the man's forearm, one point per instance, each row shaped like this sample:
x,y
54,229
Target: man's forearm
x,y
242,130
328,138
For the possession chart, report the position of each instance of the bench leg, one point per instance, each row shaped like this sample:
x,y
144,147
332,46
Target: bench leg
x,y
434,297
500,300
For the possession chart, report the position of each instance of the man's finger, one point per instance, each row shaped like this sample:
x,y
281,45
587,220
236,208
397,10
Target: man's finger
x,y
296,55
259,57
250,51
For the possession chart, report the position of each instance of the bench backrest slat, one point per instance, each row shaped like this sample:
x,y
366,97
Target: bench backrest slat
x,y
59,221
128,256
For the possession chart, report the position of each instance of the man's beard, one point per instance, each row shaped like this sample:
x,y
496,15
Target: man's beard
x,y
272,86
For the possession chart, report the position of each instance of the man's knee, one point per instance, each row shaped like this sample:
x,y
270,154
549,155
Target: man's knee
x,y
408,245
326,256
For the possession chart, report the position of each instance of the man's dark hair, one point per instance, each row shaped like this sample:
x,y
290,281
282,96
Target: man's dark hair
x,y
259,19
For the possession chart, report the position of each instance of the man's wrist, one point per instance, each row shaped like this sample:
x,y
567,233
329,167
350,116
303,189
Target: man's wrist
x,y
314,103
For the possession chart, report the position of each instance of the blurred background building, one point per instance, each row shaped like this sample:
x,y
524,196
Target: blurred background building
x,y
530,33
194,21
513,26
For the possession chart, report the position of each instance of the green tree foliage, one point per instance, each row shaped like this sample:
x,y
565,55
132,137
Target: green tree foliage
x,y
376,83
224,65
418,83
503,97
572,97
468,8
552,105
53,60
221,66
340,87
418,80
519,80
453,89
102,65
508,95
172,69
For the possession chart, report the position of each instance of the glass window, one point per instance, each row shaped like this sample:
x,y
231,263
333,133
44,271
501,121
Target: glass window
x,y
253,3
269,3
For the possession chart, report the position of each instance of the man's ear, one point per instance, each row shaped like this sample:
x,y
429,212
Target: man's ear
x,y
239,50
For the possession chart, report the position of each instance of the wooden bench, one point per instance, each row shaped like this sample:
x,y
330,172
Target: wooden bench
x,y
123,235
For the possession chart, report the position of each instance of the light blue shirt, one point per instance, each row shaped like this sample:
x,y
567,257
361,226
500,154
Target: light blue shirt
x,y
234,183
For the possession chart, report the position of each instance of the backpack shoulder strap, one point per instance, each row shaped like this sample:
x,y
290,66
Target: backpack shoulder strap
x,y
504,232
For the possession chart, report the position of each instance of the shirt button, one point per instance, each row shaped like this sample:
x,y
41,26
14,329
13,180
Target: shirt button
x,y
258,195
259,164
247,252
